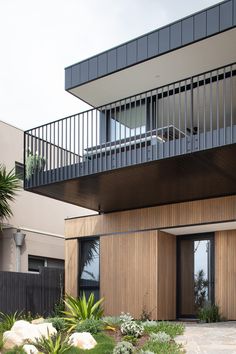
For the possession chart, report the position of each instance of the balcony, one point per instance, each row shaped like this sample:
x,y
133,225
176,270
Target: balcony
x,y
170,144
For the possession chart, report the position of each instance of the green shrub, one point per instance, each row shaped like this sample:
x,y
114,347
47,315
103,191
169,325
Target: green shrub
x,y
52,345
90,325
146,352
124,348
111,320
209,314
7,321
160,337
80,309
132,328
130,339
162,348
58,322
173,329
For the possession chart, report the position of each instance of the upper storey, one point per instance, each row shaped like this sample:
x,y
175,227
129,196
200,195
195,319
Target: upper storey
x,y
187,47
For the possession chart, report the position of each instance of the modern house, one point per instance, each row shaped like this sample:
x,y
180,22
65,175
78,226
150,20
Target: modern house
x,y
155,156
40,219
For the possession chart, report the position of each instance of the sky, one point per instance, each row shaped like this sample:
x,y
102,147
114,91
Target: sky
x,y
39,38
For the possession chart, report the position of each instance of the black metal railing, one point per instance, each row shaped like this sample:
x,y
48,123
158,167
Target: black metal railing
x,y
179,118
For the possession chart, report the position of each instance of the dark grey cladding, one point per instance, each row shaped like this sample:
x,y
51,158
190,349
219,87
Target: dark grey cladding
x,y
198,26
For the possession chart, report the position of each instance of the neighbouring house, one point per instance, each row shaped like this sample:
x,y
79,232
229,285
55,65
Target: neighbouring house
x,y
156,158
41,219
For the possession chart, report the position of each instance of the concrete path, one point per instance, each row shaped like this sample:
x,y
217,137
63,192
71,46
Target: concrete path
x,y
213,338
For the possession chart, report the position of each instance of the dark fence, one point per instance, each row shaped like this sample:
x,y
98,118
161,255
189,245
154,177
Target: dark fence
x,y
37,293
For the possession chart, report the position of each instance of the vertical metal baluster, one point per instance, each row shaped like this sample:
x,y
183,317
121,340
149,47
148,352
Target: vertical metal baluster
x,y
79,146
135,132
211,110
140,133
204,111
82,135
198,115
168,119
191,115
224,105
96,139
185,116
217,110
46,148
74,148
151,118
145,129
114,142
162,121
174,142
87,128
120,150
231,106
70,145
129,130
179,116
92,144
108,136
156,124
123,137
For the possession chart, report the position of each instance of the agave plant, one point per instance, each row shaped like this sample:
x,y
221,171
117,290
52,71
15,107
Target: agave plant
x,y
81,309
52,345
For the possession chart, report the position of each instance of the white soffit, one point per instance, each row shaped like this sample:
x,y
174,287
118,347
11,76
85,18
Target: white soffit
x,y
195,229
202,56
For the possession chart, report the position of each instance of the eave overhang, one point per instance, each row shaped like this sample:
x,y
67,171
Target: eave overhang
x,y
182,49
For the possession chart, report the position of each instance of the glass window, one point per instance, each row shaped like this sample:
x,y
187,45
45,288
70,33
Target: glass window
x,y
89,267
36,263
19,170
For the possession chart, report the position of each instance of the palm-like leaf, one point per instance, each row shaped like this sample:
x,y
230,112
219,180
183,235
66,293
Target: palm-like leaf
x,y
9,184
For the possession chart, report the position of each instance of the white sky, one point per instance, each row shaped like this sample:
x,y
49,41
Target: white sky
x,y
39,38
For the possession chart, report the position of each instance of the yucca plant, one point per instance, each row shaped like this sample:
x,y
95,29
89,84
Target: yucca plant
x,y
7,321
52,345
80,309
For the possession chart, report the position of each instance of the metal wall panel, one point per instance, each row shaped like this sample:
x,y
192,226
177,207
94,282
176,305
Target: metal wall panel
x,y
131,52
111,60
226,19
142,48
93,68
187,30
68,78
84,71
102,64
213,19
200,25
175,35
121,57
153,44
234,12
75,75
164,39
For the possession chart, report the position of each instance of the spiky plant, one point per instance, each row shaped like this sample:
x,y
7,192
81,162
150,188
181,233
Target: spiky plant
x,y
8,320
80,309
52,345
9,185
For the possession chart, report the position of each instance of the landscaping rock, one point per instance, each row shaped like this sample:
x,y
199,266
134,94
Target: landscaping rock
x,y
23,331
82,340
38,320
11,339
30,349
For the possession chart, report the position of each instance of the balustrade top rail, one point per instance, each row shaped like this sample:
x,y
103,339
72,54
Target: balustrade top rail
x,y
182,117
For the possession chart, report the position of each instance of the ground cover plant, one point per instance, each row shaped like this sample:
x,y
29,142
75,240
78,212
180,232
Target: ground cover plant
x,y
114,335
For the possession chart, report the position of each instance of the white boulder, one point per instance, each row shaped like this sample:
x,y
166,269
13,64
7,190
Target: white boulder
x,y
23,331
38,320
11,339
82,340
30,349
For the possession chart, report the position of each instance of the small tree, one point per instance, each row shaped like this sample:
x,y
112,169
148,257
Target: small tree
x,y
9,184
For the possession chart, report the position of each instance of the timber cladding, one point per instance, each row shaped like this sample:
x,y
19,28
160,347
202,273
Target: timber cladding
x,y
225,273
171,215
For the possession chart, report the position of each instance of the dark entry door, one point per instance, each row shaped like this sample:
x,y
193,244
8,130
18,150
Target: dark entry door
x,y
195,273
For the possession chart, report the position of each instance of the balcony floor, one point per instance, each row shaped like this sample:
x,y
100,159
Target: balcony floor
x,y
204,174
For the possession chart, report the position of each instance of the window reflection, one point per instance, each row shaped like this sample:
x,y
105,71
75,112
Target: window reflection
x,y
89,267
